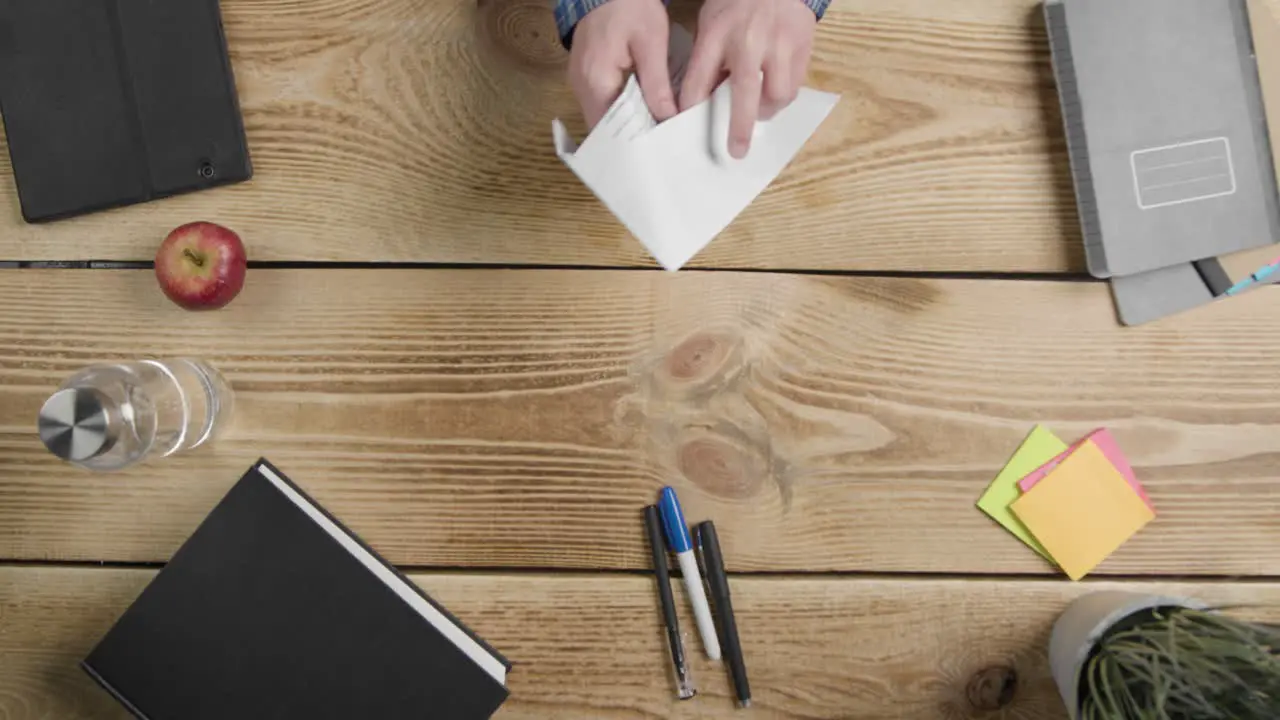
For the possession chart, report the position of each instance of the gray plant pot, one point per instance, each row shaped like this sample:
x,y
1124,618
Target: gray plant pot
x,y
1083,623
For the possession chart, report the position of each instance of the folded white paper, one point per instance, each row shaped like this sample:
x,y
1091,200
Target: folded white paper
x,y
664,181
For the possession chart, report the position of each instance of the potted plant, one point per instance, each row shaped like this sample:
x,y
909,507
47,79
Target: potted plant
x,y
1128,656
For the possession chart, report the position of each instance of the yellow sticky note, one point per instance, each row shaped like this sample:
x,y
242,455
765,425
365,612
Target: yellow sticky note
x,y
1082,511
1040,447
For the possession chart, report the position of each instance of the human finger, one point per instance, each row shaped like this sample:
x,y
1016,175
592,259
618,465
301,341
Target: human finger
x,y
745,81
649,51
596,88
705,65
800,65
780,85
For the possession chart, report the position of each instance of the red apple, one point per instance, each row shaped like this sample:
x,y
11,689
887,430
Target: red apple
x,y
201,266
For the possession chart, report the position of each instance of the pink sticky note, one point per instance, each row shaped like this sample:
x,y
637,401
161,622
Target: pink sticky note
x,y
1103,439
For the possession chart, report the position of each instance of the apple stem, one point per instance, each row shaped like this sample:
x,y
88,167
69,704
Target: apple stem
x,y
194,257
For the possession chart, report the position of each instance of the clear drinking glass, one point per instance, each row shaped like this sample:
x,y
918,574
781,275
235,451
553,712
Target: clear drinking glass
x,y
110,416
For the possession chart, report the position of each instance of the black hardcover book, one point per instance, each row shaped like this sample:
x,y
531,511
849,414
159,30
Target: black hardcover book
x,y
114,102
273,610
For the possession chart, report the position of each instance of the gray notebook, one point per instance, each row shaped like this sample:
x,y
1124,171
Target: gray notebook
x,y
1166,130
1157,294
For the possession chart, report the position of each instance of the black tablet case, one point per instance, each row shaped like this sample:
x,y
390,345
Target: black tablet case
x,y
115,102
262,614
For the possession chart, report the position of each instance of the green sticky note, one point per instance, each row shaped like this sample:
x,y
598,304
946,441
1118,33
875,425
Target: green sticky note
x,y
1040,447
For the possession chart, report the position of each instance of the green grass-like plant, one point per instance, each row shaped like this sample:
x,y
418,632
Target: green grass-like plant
x,y
1183,664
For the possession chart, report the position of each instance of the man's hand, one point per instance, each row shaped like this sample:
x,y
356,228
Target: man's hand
x,y
745,38
612,41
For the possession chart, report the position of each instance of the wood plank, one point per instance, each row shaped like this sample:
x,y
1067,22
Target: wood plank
x,y
521,418
419,130
592,645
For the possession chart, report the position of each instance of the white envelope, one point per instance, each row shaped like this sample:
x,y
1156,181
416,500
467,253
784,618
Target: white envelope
x,y
672,184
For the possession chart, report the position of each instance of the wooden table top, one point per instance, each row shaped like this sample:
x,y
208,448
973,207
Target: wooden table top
x,y
495,431
420,131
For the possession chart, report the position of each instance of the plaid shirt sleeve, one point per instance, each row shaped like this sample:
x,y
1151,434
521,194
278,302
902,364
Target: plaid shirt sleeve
x,y
819,7
569,12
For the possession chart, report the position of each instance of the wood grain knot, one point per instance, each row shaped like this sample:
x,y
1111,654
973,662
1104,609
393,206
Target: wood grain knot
x,y
992,688
722,467
522,32
705,360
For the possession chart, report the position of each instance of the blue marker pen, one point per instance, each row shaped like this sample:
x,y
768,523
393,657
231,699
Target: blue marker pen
x,y
678,538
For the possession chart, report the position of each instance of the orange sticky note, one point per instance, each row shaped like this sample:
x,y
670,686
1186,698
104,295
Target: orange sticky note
x,y
1082,511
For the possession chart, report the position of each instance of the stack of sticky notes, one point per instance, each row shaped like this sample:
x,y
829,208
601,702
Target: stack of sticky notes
x,y
1074,505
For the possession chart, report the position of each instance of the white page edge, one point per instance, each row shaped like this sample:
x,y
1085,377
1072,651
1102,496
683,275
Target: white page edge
x,y
438,620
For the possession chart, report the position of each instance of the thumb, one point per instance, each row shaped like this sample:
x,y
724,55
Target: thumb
x,y
649,51
597,88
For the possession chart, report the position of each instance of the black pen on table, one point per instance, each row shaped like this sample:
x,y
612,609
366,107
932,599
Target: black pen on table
x,y
684,682
718,585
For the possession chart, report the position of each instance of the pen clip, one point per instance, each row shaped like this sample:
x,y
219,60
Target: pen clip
x,y
705,571
700,551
